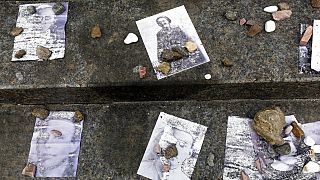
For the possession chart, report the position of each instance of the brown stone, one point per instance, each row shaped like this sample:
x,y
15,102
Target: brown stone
x,y
244,176
19,54
250,22
254,30
56,133
43,53
40,113
29,170
78,116
227,62
258,165
283,6
157,149
242,21
96,31
315,3
174,54
164,67
281,15
170,151
306,36
16,31
297,131
191,46
269,123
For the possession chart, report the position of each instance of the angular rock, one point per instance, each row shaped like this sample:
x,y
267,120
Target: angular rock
x,y
157,149
315,3
78,116
271,9
182,50
131,38
56,133
281,15
283,6
174,54
242,21
231,15
19,54
31,9
306,36
284,149
288,130
227,62
244,176
16,31
58,8
171,151
96,31
164,67
29,170
270,26
254,30
269,123
40,113
142,72
191,46
43,53
210,160
296,130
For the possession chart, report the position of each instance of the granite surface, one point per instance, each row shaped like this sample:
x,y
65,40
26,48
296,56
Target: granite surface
x,y
115,135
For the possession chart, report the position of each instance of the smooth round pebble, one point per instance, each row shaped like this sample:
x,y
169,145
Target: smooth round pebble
x,y
271,9
288,130
316,149
311,167
207,76
131,38
270,26
280,166
309,141
288,160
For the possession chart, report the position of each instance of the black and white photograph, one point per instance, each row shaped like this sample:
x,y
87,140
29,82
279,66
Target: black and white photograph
x,y
40,28
55,145
173,149
172,42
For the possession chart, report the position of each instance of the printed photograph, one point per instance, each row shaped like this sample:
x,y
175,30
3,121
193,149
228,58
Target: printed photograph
x,y
41,28
55,145
173,149
172,42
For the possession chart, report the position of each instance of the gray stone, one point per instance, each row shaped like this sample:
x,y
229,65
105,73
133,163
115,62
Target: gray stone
x,y
58,8
283,6
231,15
19,54
284,149
31,9
16,31
210,160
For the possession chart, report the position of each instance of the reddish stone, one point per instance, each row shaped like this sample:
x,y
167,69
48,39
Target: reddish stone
x,y
142,71
242,21
306,36
315,3
29,170
281,15
254,30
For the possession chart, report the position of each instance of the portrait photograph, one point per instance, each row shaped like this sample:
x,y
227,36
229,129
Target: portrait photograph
x,y
172,42
55,145
43,28
173,149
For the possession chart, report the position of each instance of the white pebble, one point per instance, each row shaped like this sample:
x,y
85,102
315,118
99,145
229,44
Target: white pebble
x,y
271,9
131,38
309,141
288,130
288,160
207,76
316,149
280,166
311,167
270,26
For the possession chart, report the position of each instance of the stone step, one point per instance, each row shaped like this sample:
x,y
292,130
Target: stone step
x,y
115,135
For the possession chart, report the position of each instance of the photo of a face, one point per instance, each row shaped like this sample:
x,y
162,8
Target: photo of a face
x,y
55,145
173,149
172,42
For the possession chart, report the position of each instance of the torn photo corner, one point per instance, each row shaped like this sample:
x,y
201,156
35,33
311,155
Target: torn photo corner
x,y
173,149
55,145
172,42
41,28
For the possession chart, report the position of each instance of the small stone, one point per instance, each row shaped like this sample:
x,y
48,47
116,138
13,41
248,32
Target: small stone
x,y
280,166
19,54
207,76
227,62
170,151
164,67
258,165
56,133
166,168
315,3
31,9
40,113
78,116
269,123
210,160
157,149
96,31
296,130
271,9
316,149
131,38
58,8
181,50
311,167
29,170
142,72
254,30
191,46
172,55
306,36
270,26
244,176
242,21
309,141
284,149
281,15
288,130
288,160
43,53
16,31
231,15
283,6
250,22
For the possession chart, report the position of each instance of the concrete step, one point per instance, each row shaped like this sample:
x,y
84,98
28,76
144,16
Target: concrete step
x,y
115,135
